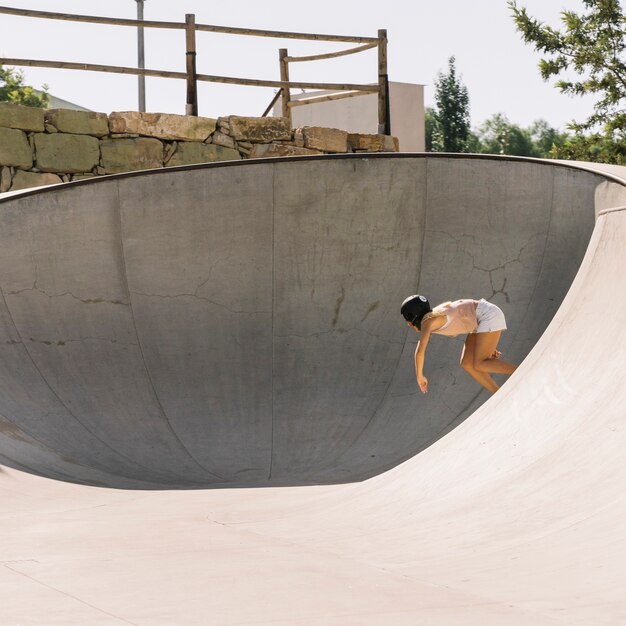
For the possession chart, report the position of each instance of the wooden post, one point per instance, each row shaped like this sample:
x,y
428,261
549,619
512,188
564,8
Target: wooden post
x,y
384,121
191,107
284,76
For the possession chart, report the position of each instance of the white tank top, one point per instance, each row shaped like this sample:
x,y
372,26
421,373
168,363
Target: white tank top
x,y
461,316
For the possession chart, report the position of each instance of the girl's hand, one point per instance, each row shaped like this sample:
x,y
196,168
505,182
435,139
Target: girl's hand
x,y
496,354
422,381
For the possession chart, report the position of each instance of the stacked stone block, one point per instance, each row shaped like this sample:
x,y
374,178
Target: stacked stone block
x,y
44,147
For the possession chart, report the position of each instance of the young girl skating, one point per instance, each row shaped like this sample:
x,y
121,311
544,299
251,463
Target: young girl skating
x,y
482,321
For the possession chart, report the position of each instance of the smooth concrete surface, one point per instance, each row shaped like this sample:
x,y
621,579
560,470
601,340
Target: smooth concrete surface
x,y
514,517
238,325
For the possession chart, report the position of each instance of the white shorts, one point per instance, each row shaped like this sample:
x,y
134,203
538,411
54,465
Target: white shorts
x,y
490,317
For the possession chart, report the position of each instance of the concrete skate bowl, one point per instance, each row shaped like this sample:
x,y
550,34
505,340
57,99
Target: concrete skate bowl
x,y
238,324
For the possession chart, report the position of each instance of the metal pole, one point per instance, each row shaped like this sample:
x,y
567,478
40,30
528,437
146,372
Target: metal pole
x,y
141,59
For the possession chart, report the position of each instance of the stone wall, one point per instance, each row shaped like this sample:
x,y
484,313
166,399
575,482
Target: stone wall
x,y
47,146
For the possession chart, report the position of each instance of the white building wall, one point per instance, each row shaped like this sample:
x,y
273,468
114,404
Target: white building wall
x,y
360,114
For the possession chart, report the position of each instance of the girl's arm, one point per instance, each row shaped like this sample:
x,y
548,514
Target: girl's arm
x,y
420,353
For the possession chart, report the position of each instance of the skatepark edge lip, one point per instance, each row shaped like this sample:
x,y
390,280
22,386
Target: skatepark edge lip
x,y
615,210
577,165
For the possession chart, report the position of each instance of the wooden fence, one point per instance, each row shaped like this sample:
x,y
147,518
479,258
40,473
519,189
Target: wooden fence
x,y
284,85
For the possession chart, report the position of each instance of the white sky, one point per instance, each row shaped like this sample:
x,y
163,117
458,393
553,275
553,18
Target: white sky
x,y
499,70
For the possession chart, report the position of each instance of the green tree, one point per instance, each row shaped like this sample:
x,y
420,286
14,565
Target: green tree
x,y
474,143
13,89
546,139
597,148
450,122
497,135
430,128
588,56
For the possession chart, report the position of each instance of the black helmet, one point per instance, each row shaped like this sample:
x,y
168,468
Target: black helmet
x,y
414,308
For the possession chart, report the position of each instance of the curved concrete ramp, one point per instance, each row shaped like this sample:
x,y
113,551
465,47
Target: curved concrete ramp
x,y
238,324
514,518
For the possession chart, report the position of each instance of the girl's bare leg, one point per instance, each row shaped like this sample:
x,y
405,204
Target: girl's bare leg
x,y
484,347
467,363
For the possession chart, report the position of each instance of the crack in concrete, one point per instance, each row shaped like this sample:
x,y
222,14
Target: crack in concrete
x,y
211,270
66,293
502,267
197,297
338,305
371,309
63,342
502,289
490,271
65,593
455,239
340,331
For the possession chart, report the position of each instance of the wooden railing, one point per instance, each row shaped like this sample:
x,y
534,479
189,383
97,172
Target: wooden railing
x,y
192,77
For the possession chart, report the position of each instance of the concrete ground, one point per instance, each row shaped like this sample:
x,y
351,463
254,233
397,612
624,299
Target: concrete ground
x,y
237,326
